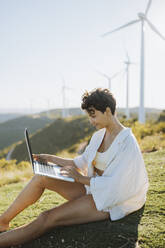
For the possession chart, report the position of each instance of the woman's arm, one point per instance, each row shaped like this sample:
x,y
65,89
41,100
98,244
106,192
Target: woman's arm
x,y
69,167
44,158
73,172
85,180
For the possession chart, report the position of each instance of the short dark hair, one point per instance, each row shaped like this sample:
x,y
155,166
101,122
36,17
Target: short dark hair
x,y
99,99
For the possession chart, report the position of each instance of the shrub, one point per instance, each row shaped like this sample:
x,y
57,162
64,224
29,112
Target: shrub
x,y
7,165
160,127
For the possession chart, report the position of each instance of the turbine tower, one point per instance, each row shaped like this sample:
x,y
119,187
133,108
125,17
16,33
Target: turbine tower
x,y
64,114
65,111
127,62
142,17
48,108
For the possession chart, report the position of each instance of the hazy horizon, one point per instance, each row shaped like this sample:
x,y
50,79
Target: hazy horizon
x,y
33,111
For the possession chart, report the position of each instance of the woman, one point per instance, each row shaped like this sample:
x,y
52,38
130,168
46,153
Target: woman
x,y
113,185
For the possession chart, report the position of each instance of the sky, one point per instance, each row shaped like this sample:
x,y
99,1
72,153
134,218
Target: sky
x,y
46,44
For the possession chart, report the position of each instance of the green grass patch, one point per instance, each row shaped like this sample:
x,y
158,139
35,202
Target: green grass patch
x,y
152,225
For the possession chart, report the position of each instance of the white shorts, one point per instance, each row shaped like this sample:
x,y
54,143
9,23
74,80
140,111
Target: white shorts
x,y
87,189
88,192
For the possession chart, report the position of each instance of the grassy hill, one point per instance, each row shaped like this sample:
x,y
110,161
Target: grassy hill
x,y
59,135
69,133
12,125
12,131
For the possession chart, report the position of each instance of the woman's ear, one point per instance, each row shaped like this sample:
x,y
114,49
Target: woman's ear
x,y
108,111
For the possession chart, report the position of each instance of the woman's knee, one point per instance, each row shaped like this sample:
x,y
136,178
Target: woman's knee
x,y
47,220
44,181
39,180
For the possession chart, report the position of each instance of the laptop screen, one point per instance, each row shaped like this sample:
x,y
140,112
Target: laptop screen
x,y
28,146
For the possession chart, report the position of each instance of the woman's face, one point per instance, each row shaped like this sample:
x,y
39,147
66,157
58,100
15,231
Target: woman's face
x,y
97,118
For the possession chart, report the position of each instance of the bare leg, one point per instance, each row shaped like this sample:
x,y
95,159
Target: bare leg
x,y
80,210
33,191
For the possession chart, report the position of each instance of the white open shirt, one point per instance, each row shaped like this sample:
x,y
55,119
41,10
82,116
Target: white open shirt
x,y
123,186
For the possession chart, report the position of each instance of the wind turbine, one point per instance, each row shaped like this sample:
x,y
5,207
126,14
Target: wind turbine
x,y
127,62
64,88
48,107
142,17
31,110
109,78
63,100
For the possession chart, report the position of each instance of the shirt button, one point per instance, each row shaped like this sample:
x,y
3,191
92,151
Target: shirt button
x,y
93,162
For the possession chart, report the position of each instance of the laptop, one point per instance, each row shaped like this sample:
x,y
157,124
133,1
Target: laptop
x,y
49,169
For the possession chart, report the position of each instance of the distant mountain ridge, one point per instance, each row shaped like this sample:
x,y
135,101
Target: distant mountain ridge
x,y
7,117
11,131
151,113
59,135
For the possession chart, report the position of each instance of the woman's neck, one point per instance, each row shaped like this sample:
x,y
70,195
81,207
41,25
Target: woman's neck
x,y
114,126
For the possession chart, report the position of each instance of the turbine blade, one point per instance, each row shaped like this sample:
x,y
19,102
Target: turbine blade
x,y
154,29
103,74
148,6
116,74
121,27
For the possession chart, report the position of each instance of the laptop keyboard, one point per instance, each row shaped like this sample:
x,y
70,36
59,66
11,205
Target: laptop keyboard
x,y
48,169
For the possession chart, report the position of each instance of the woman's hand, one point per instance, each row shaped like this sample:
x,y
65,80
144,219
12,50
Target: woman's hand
x,y
71,171
42,158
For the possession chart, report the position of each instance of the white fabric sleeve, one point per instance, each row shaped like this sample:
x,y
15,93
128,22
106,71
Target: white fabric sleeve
x,y
124,181
81,161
